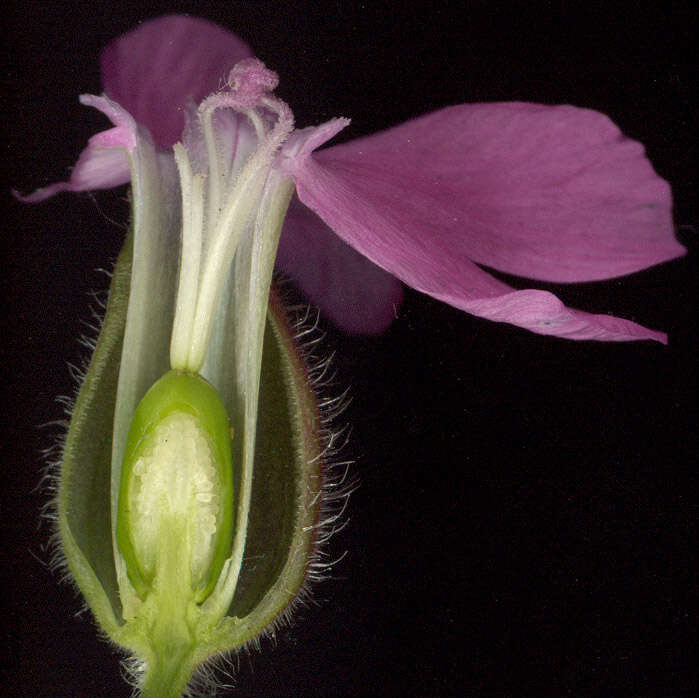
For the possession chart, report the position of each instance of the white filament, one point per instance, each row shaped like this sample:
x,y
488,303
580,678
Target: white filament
x,y
188,283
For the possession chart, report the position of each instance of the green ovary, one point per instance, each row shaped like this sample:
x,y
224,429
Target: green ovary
x,y
175,519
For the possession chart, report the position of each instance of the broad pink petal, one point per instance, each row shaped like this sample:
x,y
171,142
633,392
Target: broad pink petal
x,y
356,295
413,201
103,164
156,69
551,193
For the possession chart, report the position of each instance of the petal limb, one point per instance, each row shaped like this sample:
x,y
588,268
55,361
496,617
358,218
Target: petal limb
x,y
157,68
541,312
554,193
385,197
103,163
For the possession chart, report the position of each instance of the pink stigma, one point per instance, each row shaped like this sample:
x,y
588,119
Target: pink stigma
x,y
250,80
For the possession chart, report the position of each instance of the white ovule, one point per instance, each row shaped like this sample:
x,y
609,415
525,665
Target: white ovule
x,y
174,492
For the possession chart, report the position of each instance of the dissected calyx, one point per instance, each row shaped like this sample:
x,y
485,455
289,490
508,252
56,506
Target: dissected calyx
x,y
190,488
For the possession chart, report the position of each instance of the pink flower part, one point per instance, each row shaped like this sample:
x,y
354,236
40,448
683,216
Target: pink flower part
x,y
551,193
250,80
355,294
554,193
103,164
155,70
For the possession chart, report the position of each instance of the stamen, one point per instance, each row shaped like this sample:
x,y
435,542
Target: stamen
x,y
233,201
259,127
249,81
215,185
230,226
190,258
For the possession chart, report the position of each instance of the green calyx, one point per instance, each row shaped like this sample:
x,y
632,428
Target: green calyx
x,y
177,487
174,626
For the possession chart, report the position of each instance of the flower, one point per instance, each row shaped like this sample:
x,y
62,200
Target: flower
x,y
554,193
187,534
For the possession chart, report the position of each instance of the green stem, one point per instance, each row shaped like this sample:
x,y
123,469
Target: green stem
x,y
167,676
170,664
171,616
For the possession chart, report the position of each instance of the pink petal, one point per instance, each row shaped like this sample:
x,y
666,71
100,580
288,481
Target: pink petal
x,y
156,69
539,311
103,164
356,295
551,193
423,200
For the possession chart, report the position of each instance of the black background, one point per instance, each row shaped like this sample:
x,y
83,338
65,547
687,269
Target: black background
x,y
525,520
